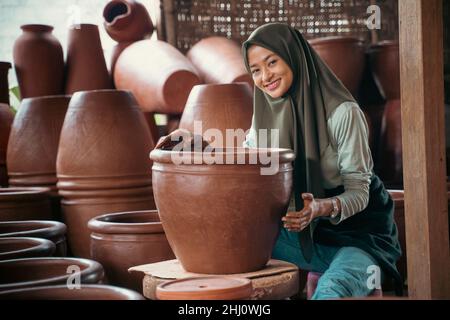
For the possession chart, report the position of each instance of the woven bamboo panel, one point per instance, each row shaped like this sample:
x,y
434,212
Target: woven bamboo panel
x,y
196,19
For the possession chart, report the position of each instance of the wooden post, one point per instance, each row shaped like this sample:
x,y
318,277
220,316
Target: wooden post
x,y
423,131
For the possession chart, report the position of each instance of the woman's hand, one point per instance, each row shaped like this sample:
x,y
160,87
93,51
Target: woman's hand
x,y
187,138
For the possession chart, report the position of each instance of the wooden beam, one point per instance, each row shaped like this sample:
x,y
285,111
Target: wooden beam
x,y
423,135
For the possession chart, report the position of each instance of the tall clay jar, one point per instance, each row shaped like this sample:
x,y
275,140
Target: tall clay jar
x,y
85,65
6,120
159,76
4,87
385,64
39,62
220,212
33,144
102,164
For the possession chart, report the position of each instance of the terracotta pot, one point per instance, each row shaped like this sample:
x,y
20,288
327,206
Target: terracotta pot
x,y
116,52
151,123
222,107
25,204
34,272
205,288
219,60
385,64
85,65
127,20
51,230
4,86
39,62
6,120
17,248
120,241
346,58
102,163
62,292
159,76
212,226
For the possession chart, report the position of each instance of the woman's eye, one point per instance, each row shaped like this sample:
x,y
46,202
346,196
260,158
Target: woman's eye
x,y
255,71
271,63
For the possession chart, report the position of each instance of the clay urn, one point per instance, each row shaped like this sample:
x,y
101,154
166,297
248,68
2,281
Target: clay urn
x,y
219,60
127,20
345,56
123,240
152,126
25,204
4,86
39,62
221,107
34,272
62,292
385,65
159,76
6,120
45,229
17,248
85,63
102,163
214,206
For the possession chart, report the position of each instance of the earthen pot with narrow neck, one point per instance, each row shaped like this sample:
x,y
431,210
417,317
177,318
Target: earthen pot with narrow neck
x,y
220,211
127,20
222,107
120,241
159,76
102,163
38,62
51,230
219,60
385,64
25,204
6,120
18,248
4,86
33,272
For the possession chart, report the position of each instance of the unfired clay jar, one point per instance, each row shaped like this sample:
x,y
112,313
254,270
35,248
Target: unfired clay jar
x,y
51,230
17,248
120,241
85,65
385,64
159,76
6,120
346,58
102,163
33,272
219,60
4,86
222,107
62,292
127,20
222,218
39,62
25,204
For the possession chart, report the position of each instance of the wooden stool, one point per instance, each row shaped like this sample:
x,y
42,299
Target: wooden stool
x,y
278,280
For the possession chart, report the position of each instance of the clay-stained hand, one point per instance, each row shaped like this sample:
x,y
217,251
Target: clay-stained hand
x,y
187,138
297,221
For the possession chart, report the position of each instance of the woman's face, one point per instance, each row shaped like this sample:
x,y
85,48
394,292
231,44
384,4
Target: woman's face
x,y
270,72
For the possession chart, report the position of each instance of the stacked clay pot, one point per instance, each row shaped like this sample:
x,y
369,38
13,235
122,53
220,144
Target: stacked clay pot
x,y
51,230
224,218
33,144
219,60
219,106
18,248
120,241
102,163
39,62
25,204
159,76
6,120
4,86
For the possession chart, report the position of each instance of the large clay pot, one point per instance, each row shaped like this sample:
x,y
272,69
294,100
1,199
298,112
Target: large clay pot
x,y
127,20
39,62
102,163
25,204
6,120
219,60
120,241
222,107
385,64
85,65
18,248
34,272
4,86
222,218
62,292
33,144
159,76
346,58
51,230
